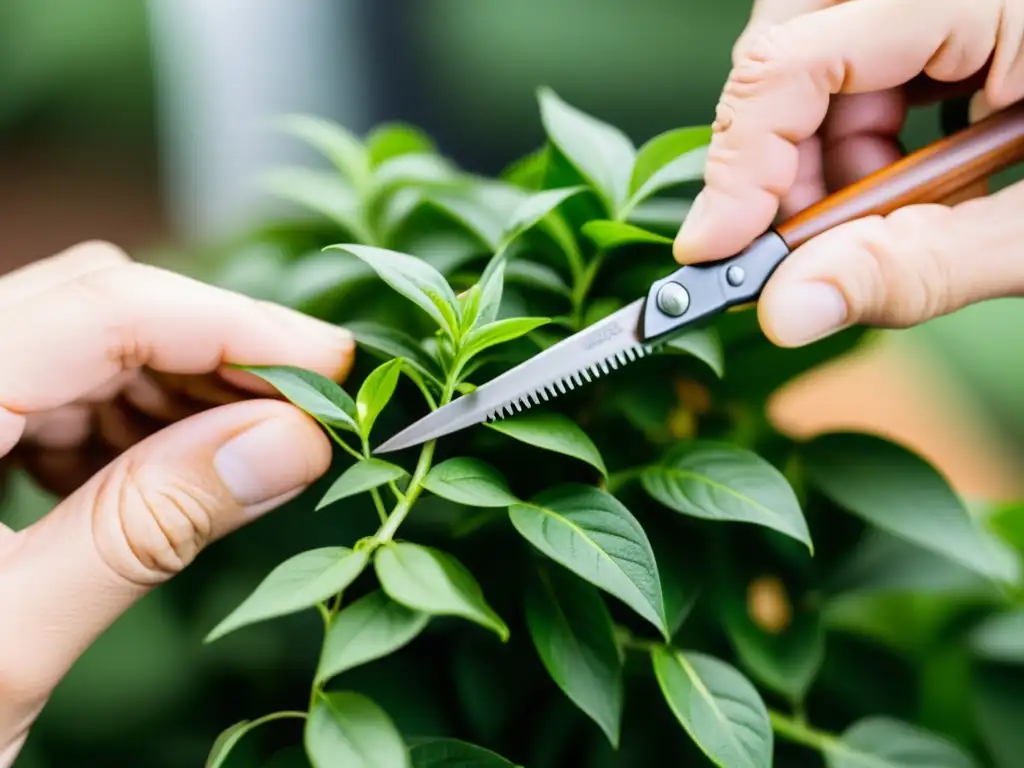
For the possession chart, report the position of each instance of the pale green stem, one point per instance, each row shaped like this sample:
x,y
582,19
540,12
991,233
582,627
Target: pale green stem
x,y
618,479
801,733
341,443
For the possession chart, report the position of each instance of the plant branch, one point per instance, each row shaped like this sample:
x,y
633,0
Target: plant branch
x,y
337,438
801,733
618,479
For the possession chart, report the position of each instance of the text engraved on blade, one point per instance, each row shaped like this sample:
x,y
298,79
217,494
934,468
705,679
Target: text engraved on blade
x,y
603,336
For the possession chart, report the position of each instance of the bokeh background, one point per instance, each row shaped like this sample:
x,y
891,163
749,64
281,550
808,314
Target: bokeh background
x,y
145,123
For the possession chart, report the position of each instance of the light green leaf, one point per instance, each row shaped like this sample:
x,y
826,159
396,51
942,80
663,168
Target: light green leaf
x,y
536,207
719,708
602,153
371,628
535,275
702,343
720,481
326,193
361,477
484,208
429,580
226,741
469,307
671,158
375,393
607,234
528,171
388,140
413,278
899,492
317,395
1000,637
492,285
319,276
337,144
485,336
298,583
572,631
452,753
552,432
425,170
348,729
592,534
471,482
882,742
391,342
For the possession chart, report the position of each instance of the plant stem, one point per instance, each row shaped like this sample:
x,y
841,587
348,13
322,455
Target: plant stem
x,y
582,286
801,733
617,479
348,448
283,715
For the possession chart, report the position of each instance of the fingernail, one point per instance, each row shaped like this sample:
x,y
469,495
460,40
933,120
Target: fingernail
x,y
806,312
691,227
263,463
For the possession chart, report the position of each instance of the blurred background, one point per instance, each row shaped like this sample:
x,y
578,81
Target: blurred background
x,y
145,123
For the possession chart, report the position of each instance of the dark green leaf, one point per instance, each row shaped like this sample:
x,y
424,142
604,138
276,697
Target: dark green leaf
x,y
298,583
336,143
429,580
719,481
552,432
326,193
347,729
469,481
536,207
602,153
375,393
668,159
999,711
1000,638
572,631
681,582
882,742
451,753
608,235
317,395
391,342
719,708
371,628
704,344
485,336
592,534
389,140
901,493
321,276
221,749
361,477
413,278
535,275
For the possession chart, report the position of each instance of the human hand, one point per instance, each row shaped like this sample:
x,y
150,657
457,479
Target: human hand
x,y
110,373
817,96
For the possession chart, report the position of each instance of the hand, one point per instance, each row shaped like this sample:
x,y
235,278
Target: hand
x,y
814,102
99,355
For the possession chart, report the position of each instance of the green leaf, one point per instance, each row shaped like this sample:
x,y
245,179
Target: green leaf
x,y
535,275
389,140
572,631
370,628
882,742
492,285
425,170
528,171
337,144
413,278
552,432
899,492
298,583
999,711
391,342
361,477
348,729
469,481
485,336
484,208
536,207
1000,637
469,307
226,741
602,153
452,753
671,158
719,481
375,393
607,234
592,534
681,582
702,343
429,580
326,193
317,395
719,708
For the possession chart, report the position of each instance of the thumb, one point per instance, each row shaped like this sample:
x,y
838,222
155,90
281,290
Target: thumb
x,y
135,524
896,271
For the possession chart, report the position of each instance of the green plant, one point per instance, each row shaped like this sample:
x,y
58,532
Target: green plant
x,y
642,571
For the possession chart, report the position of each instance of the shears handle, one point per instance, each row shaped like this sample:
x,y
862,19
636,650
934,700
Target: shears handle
x,y
933,174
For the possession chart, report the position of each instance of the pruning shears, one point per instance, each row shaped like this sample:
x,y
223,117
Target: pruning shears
x,y
693,294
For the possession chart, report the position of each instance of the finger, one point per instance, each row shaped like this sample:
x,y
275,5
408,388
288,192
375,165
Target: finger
x,y
72,263
779,92
135,524
76,336
860,135
917,263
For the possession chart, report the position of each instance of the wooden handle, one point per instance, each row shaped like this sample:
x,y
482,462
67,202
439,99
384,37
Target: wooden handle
x,y
930,175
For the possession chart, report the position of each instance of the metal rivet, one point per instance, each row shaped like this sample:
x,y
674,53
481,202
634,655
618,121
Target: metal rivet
x,y
673,299
734,275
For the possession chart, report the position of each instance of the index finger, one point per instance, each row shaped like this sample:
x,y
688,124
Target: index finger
x,y
68,339
779,89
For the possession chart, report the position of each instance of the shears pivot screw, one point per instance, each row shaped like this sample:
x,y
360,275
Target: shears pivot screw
x,y
734,275
673,299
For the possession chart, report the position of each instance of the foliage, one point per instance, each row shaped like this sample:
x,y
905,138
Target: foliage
x,y
639,572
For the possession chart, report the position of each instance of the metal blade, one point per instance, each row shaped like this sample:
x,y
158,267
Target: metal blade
x,y
582,357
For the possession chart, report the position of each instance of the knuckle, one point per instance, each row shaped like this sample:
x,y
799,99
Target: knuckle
x,y
99,253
